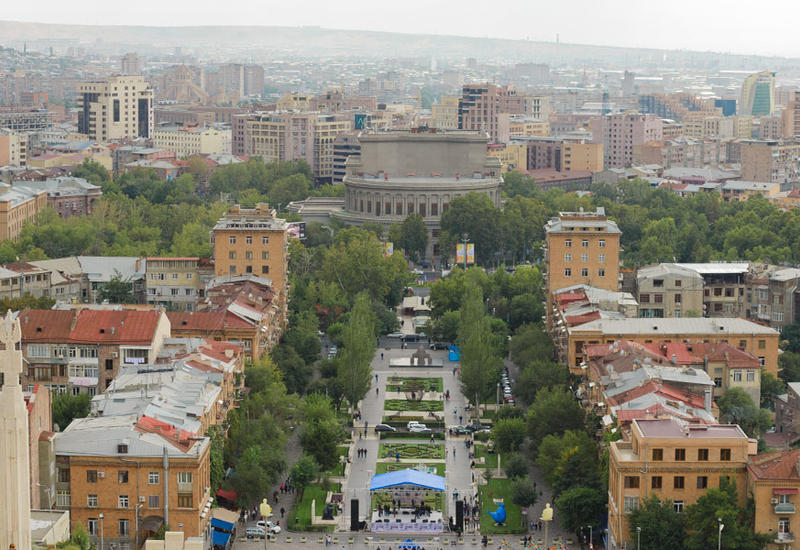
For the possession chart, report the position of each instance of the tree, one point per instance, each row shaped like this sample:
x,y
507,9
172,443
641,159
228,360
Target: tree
x,y
522,493
303,473
444,329
790,334
321,432
508,434
515,465
579,507
94,173
789,362
568,460
117,290
771,388
256,472
538,375
662,527
722,503
736,407
524,309
413,237
291,188
358,341
530,343
554,411
480,363
67,407
216,457
475,215
296,372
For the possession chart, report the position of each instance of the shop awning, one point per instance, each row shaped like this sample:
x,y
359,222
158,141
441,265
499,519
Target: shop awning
x,y
219,538
784,491
217,523
152,523
227,495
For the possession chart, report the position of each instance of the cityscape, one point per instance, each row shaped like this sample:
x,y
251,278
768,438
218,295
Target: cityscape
x,y
273,278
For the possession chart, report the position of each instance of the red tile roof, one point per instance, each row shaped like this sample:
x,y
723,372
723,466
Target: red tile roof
x,y
46,325
202,320
726,353
111,327
179,438
575,320
777,465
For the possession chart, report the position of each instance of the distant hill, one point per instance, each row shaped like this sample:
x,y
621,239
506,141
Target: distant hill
x,y
321,42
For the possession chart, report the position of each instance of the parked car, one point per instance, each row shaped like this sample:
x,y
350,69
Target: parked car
x,y
269,526
477,427
385,428
439,345
395,335
418,428
413,423
255,532
413,337
461,430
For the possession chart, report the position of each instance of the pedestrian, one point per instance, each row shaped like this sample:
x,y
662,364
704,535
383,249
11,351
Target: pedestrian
x,y
376,376
460,419
431,438
365,453
376,391
283,511
473,477
454,452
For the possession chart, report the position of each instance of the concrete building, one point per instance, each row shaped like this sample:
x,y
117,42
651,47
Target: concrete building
x,y
67,195
134,475
723,287
770,161
525,126
335,101
513,156
177,283
38,403
790,117
130,64
581,156
399,173
13,148
17,207
116,108
25,119
675,461
620,133
758,94
681,151
187,140
773,479
787,411
444,115
668,290
759,340
581,248
485,108
739,190
730,367
345,145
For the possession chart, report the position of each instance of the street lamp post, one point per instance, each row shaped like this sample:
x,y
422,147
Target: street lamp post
x,y
638,536
497,400
136,523
547,517
591,545
465,240
101,531
719,537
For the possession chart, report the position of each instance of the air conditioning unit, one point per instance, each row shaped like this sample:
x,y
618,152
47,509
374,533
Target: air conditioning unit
x,y
142,499
101,475
773,501
114,354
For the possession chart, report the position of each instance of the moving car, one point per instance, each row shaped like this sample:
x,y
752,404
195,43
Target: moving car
x,y
269,526
413,337
385,428
255,532
416,427
395,335
439,345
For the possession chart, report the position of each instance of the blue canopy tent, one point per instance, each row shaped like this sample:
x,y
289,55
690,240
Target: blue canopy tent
x,y
221,525
406,477
454,354
220,538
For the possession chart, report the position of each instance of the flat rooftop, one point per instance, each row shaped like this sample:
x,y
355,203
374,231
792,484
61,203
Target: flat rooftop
x,y
669,427
676,325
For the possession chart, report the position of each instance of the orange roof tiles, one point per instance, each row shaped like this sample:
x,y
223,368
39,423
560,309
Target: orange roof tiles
x,y
88,326
777,465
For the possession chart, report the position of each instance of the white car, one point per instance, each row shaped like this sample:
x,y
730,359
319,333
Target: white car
x,y
419,429
269,526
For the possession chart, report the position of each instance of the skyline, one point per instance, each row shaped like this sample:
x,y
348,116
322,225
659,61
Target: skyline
x,y
603,22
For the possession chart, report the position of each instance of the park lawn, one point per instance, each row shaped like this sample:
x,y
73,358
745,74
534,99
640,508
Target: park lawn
x,y
299,518
406,405
499,488
412,450
491,458
409,383
384,467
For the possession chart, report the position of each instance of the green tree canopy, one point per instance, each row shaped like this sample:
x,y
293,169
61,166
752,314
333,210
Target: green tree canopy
x,y
661,526
358,341
554,411
480,362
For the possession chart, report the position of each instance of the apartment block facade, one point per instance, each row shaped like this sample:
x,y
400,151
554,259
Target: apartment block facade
x,y
770,161
186,141
620,133
177,282
116,108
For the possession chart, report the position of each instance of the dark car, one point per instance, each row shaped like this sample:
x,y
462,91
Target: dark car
x,y
385,428
412,337
476,427
439,345
460,430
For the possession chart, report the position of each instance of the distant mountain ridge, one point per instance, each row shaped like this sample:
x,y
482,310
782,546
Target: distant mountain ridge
x,y
322,42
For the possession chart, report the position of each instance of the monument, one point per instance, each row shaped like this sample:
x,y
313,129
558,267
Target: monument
x,y
15,512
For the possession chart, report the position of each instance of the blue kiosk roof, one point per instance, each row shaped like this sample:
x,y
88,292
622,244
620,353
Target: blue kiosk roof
x,y
219,538
407,477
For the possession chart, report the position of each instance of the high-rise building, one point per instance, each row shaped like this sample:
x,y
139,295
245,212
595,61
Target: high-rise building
x,y
130,64
479,110
619,133
117,108
581,156
758,94
791,117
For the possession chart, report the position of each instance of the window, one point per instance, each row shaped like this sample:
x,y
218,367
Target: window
x,y
644,298
631,482
62,499
153,478
751,376
585,243
678,506
232,270
784,499
762,344
93,526
702,455
677,482
601,272
743,344
783,526
184,477
584,272
737,376
680,454
655,482
584,257
174,275
91,476
122,501
658,298
265,254
91,501
658,282
631,504
567,257
567,272
725,454
601,258
658,454
248,255
762,361
702,482
678,298
568,243
231,254
231,240
38,350
124,528
63,475
123,475
248,239
264,240
248,269
678,283
153,501
264,269
601,243
184,501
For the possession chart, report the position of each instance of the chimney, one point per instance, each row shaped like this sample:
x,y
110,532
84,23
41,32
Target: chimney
x,y
707,400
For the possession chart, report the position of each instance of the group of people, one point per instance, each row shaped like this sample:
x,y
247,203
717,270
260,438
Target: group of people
x,y
361,453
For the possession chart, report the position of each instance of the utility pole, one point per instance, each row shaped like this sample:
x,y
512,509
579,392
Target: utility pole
x,y
465,240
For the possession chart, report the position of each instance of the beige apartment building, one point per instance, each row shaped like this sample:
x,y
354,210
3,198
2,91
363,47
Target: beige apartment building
x,y
177,283
513,156
17,207
668,290
582,157
186,141
13,148
444,115
770,161
675,461
116,108
523,126
581,248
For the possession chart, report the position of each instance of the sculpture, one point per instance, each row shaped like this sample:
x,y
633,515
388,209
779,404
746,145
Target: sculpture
x,y
499,515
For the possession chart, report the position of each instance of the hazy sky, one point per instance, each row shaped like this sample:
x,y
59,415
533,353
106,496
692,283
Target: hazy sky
x,y
727,26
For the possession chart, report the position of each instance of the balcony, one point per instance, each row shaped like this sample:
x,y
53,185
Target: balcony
x,y
785,508
784,538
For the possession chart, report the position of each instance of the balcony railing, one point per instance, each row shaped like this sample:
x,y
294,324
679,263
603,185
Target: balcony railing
x,y
784,537
784,508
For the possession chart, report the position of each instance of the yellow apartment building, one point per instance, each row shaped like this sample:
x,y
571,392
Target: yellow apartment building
x,y
444,115
177,282
18,206
513,156
528,127
193,141
774,481
582,156
675,461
